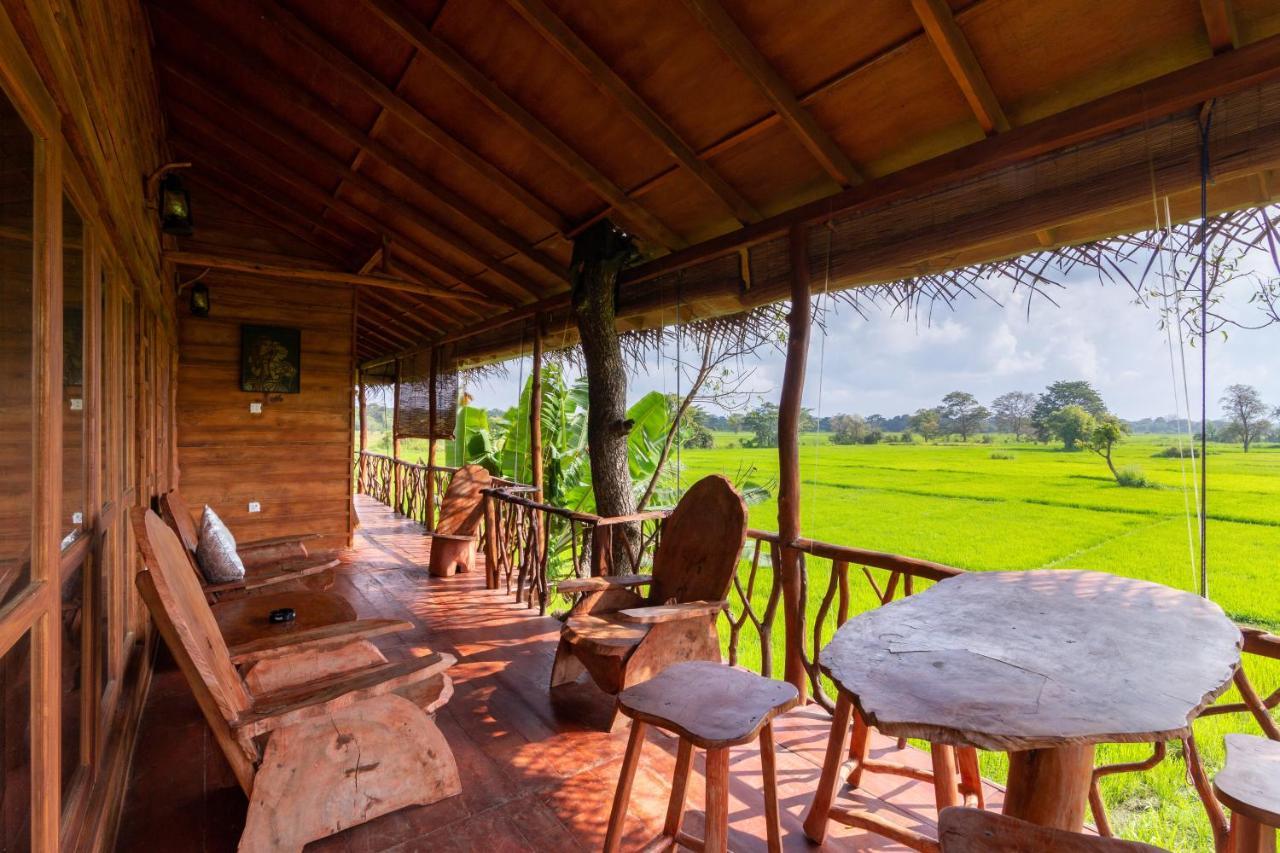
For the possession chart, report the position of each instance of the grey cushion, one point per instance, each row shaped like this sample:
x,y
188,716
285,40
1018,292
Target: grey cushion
x,y
216,553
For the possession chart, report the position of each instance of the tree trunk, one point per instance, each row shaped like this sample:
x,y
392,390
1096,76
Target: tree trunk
x,y
599,254
789,460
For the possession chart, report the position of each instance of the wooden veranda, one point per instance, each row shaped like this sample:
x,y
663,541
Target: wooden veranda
x,y
221,221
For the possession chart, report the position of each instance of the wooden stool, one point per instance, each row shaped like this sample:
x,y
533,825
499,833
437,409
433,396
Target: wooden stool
x,y
714,707
965,762
1249,785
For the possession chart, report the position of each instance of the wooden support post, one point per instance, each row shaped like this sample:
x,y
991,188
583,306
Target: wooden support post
x,y
429,512
535,410
395,440
364,433
789,460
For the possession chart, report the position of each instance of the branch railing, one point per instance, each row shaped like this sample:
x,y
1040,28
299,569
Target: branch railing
x,y
413,489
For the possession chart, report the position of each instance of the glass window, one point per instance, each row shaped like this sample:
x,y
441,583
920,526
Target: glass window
x,y
72,664
17,158
71,523
15,747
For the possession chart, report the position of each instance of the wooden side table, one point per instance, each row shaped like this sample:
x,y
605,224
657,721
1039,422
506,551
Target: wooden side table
x,y
714,707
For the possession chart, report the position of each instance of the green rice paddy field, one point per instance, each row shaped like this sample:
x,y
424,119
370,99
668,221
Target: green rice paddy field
x,y
1044,508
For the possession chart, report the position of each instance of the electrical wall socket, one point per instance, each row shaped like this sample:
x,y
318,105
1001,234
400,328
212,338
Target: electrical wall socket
x,y
255,408
254,506
77,404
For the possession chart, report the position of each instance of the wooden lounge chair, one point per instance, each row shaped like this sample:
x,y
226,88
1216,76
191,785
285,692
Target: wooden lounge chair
x,y
965,830
622,639
320,730
453,542
267,562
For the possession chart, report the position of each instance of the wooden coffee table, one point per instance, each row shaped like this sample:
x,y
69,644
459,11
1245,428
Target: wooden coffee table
x,y
1041,664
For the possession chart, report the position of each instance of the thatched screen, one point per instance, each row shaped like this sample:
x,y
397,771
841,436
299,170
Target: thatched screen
x,y
424,375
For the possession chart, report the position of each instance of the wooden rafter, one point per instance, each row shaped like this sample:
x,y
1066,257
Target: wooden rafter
x,y
1220,22
386,316
733,41
220,43
941,27
296,144
471,78
210,260
302,186
343,67
423,328
557,32
442,315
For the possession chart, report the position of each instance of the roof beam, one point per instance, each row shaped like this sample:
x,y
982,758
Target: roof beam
x,y
940,25
733,41
553,29
1220,22
474,81
388,314
345,68
293,142
1184,89
303,187
210,34
232,263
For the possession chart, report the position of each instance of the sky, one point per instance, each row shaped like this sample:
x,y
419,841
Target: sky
x,y
889,364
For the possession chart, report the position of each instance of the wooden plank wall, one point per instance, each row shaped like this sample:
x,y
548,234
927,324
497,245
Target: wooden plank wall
x,y
294,458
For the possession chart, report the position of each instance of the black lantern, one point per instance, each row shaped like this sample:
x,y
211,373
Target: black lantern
x,y
175,208
199,300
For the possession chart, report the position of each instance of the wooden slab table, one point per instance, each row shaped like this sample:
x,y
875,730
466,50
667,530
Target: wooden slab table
x,y
1040,664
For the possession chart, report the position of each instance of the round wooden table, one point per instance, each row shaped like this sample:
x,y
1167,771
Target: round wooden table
x,y
1040,664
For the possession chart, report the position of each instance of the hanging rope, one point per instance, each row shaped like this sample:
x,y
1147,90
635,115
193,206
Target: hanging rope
x,y
1206,124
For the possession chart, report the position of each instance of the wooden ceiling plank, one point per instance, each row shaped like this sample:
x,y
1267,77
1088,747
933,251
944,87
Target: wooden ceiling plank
x,y
474,80
347,69
950,41
255,201
303,186
1186,88
422,316
558,33
733,41
294,142
317,109
1220,22
389,315
385,342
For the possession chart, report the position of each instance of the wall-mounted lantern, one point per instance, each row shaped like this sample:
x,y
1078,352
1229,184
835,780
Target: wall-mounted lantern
x,y
199,300
175,207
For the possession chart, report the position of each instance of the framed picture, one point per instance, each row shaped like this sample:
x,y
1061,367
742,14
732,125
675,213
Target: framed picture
x,y
270,359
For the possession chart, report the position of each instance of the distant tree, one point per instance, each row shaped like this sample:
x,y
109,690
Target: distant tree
x,y
1071,425
763,421
1107,432
848,429
808,423
927,422
1013,412
1246,414
961,412
1059,395
735,422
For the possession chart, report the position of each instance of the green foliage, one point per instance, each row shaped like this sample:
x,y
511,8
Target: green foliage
x,y
1060,395
1000,454
1071,425
927,422
763,422
962,413
1133,477
1177,452
848,429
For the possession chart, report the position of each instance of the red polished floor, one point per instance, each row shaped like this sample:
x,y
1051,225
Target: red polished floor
x,y
535,775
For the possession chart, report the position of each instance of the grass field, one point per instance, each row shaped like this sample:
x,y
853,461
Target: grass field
x,y
1044,508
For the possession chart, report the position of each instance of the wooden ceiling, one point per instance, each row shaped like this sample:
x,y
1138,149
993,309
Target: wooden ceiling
x,y
456,146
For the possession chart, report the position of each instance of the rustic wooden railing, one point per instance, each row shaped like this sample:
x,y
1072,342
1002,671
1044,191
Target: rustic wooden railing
x,y
413,489
530,545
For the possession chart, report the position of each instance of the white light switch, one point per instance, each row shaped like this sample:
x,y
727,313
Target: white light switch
x,y
77,404
255,408
77,518
254,506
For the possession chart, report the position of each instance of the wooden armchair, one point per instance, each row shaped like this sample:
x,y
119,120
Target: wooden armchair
x,y
965,830
621,638
320,730
453,542
267,562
